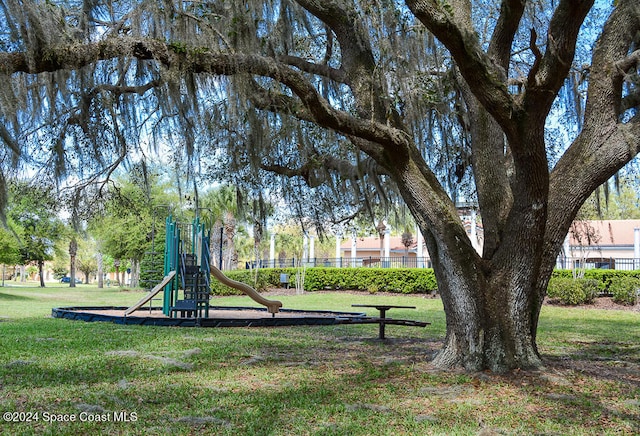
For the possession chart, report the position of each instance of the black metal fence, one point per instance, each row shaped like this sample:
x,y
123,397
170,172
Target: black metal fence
x,y
345,262
624,264
627,264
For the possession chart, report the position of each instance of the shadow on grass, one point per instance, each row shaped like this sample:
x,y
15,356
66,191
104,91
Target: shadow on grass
x,y
9,297
586,392
321,380
603,360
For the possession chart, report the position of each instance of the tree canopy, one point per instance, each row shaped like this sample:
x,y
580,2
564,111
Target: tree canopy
x,y
32,218
133,207
360,102
9,248
614,203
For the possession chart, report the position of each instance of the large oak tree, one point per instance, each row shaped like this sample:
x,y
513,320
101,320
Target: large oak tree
x,y
366,92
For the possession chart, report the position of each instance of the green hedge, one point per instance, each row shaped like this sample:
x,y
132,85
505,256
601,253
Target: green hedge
x,y
401,280
604,276
410,280
262,280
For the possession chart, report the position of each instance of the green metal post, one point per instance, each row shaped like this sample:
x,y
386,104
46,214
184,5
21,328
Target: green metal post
x,y
166,301
171,263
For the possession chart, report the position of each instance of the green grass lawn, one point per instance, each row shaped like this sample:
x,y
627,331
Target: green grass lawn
x,y
324,380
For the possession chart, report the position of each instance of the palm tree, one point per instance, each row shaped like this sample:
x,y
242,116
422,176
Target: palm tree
x,y
407,241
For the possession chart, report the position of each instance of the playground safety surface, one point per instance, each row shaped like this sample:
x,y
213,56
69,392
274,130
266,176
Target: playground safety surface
x,y
219,316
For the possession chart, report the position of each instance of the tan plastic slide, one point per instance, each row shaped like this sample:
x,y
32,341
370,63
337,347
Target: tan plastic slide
x,y
152,293
272,305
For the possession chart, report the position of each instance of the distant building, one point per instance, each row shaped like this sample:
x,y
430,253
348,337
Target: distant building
x,y
607,244
391,251
371,250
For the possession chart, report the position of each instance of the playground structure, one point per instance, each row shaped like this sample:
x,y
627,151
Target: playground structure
x,y
186,295
187,274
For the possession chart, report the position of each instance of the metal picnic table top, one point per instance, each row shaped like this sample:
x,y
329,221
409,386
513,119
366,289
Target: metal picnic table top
x,y
382,321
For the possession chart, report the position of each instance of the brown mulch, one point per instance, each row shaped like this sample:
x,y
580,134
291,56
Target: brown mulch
x,y
605,303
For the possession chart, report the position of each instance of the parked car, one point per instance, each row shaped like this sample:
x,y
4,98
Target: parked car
x,y
66,279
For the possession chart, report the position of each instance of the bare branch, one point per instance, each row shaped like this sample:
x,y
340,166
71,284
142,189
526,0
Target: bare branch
x,y
631,61
545,81
312,170
313,68
502,39
630,101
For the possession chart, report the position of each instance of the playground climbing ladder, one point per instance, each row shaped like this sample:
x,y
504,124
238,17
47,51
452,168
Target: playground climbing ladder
x,y
187,253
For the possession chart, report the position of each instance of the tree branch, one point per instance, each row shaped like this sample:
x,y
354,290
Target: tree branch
x,y
352,37
548,75
119,90
74,56
320,109
276,102
623,68
605,144
316,163
504,33
630,101
194,60
537,54
487,79
79,119
365,80
9,142
631,61
313,68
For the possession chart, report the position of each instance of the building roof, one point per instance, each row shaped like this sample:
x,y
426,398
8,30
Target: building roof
x,y
603,232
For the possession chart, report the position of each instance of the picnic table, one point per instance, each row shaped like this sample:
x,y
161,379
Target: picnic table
x,y
382,321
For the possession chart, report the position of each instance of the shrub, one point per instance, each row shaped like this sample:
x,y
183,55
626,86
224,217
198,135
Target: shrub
x,y
604,277
562,286
625,289
591,289
573,291
402,280
565,290
373,289
260,281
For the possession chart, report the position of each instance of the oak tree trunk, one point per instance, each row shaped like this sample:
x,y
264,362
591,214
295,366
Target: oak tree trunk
x,y
491,319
